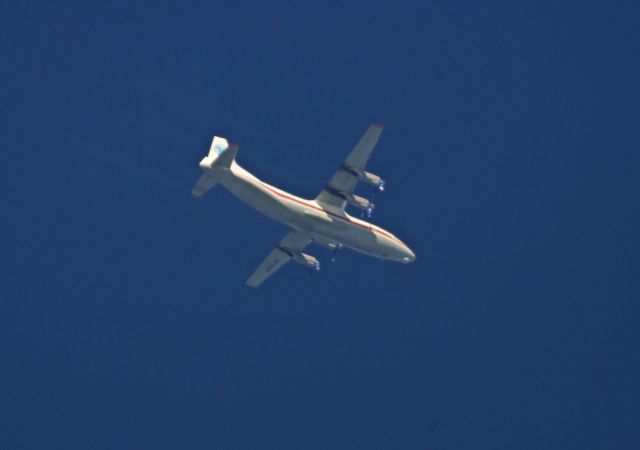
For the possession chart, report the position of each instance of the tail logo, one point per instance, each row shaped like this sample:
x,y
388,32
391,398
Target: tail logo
x,y
219,148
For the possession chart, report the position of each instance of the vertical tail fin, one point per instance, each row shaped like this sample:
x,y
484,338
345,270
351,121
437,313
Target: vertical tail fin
x,y
218,146
221,155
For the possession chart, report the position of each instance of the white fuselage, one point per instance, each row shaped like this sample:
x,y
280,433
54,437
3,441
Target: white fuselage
x,y
326,227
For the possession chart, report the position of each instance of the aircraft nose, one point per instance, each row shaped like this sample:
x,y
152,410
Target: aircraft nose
x,y
409,257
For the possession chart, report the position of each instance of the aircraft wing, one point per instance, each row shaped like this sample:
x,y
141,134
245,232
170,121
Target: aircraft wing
x,y
290,246
339,190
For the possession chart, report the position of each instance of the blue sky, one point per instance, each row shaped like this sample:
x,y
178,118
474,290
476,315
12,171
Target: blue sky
x,y
511,154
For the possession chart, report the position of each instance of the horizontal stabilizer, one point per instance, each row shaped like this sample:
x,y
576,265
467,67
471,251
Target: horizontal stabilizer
x,y
205,182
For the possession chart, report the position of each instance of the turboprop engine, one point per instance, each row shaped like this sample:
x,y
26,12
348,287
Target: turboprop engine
x,y
368,177
306,260
357,201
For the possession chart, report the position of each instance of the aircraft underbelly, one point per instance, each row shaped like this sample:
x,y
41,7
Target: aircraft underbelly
x,y
325,227
346,234
359,239
250,193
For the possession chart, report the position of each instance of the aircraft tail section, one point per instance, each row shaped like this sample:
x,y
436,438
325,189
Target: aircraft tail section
x,y
221,156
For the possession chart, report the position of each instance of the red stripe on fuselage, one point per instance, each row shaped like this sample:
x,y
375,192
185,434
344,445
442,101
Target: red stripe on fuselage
x,y
345,219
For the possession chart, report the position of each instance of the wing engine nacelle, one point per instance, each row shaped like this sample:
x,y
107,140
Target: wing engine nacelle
x,y
357,201
368,177
306,260
353,199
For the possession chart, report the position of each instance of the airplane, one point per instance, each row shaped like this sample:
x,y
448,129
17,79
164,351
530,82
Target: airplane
x,y
323,220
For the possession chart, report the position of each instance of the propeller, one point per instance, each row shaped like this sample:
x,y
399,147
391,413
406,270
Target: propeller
x,y
314,268
370,210
371,207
